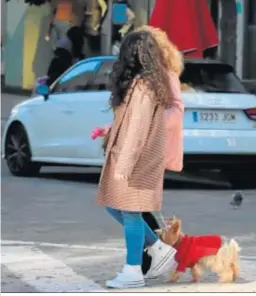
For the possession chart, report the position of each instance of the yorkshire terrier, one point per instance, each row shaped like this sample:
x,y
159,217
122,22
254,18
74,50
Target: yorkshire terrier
x,y
201,252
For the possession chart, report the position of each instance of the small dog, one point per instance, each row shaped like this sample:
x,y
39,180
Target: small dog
x,y
200,252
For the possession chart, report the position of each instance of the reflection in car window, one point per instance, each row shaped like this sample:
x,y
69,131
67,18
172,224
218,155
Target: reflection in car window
x,y
78,78
101,79
210,78
80,69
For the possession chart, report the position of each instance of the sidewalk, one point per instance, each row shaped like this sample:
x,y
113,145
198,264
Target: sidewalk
x,y
201,287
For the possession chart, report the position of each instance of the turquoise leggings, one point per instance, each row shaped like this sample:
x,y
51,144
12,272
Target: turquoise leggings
x,y
137,233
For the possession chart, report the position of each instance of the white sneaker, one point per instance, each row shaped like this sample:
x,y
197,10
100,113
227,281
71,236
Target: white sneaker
x,y
130,277
162,259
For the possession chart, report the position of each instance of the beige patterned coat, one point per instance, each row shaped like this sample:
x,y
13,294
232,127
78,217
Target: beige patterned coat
x,y
136,150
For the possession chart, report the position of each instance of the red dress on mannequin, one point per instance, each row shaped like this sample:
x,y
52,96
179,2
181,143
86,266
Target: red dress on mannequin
x,y
188,24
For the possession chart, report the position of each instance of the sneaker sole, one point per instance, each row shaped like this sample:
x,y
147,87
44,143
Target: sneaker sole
x,y
150,277
163,266
119,285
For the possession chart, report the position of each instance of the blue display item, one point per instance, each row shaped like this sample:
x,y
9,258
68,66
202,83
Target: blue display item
x,y
119,16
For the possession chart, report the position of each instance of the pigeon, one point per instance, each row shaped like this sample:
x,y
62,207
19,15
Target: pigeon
x,y
237,200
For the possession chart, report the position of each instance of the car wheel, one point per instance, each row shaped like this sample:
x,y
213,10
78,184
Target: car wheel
x,y
242,179
18,153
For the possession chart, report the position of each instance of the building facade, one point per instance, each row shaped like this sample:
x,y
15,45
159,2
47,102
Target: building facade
x,y
26,53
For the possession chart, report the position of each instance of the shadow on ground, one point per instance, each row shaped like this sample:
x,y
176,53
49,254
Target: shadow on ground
x,y
169,183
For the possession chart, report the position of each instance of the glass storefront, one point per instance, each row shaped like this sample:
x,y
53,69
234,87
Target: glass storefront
x,y
250,48
32,31
3,32
126,16
35,31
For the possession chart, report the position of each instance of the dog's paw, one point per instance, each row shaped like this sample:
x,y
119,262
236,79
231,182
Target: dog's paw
x,y
196,280
174,277
225,280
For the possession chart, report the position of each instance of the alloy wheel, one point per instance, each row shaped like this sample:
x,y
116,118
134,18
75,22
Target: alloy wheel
x,y
17,150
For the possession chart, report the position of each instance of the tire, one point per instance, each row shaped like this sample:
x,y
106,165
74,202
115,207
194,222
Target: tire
x,y
18,153
241,179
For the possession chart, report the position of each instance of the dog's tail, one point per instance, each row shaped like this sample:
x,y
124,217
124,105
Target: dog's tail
x,y
235,250
230,250
234,247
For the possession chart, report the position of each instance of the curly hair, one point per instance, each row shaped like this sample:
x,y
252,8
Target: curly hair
x,y
172,56
146,53
140,56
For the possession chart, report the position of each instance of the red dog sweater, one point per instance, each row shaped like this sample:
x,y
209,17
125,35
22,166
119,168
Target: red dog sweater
x,y
190,249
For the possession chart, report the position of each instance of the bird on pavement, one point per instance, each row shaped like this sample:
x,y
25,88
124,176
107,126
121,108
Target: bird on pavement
x,y
237,200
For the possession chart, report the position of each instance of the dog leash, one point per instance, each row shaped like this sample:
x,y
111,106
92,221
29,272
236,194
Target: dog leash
x,y
164,225
161,219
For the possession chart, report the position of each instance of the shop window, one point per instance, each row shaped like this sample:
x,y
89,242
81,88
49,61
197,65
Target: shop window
x,y
250,57
252,13
126,16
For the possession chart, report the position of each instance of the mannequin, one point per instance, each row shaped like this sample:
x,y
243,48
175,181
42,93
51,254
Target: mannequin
x,y
120,30
94,14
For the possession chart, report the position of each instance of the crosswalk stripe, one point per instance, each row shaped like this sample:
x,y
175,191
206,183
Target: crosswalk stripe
x,y
27,261
248,269
43,272
106,247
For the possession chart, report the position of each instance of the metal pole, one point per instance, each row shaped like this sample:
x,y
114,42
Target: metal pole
x,y
219,30
228,27
106,32
240,29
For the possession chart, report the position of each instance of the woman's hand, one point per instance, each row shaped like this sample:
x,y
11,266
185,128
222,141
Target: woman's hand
x,y
100,131
97,132
106,129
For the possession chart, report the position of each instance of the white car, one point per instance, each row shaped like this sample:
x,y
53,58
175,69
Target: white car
x,y
55,126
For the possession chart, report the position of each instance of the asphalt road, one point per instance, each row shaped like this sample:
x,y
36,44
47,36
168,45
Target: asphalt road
x,y
56,239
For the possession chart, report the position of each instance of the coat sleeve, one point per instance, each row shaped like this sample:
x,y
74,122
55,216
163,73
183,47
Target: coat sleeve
x,y
140,113
175,113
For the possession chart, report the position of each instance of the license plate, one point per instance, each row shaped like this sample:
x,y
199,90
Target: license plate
x,y
214,116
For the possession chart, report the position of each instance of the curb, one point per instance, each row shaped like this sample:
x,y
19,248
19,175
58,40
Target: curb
x,y
12,90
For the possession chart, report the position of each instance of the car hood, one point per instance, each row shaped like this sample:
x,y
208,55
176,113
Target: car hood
x,y
29,102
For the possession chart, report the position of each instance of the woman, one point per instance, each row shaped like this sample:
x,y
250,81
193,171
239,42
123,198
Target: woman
x,y
132,177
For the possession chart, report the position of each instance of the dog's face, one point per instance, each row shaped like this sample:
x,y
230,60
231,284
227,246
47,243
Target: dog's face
x,y
171,233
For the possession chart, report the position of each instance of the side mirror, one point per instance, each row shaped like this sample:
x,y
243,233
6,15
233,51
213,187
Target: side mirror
x,y
43,90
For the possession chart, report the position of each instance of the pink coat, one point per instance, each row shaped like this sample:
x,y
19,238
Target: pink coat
x,y
174,125
136,151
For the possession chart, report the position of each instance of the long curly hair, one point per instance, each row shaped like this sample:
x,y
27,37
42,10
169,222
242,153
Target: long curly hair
x,y
172,56
148,54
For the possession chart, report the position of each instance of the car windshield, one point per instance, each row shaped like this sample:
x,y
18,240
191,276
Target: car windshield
x,y
207,77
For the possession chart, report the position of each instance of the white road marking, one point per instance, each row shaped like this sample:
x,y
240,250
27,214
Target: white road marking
x,y
64,246
248,257
46,274
43,272
248,270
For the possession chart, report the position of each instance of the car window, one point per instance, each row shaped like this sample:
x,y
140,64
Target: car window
x,y
78,78
101,78
210,78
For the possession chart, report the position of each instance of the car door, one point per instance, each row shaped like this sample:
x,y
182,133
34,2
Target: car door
x,y
91,108
56,118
